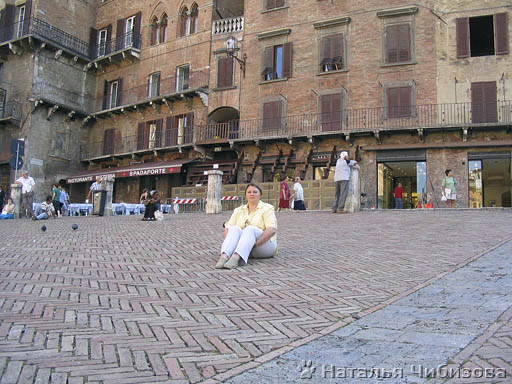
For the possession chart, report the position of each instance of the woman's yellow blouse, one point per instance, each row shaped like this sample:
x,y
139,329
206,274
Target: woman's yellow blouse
x,y
262,217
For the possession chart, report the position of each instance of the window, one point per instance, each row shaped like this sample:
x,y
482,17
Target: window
x,y
331,54
399,102
155,31
21,19
182,74
112,94
109,141
225,72
163,28
272,116
483,102
277,62
179,129
482,36
398,44
272,4
60,142
129,27
194,18
331,112
102,42
154,85
183,25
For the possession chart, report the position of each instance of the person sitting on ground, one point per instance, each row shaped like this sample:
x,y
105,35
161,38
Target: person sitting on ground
x,y
47,210
251,231
151,206
8,210
143,196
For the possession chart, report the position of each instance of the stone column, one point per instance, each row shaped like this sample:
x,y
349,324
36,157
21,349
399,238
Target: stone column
x,y
107,184
353,203
213,204
16,198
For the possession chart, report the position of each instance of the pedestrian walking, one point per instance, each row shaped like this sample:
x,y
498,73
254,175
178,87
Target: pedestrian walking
x,y
398,194
284,195
27,193
448,188
64,201
56,200
298,196
341,179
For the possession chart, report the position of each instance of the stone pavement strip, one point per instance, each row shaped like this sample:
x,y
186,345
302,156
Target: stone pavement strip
x,y
437,334
125,301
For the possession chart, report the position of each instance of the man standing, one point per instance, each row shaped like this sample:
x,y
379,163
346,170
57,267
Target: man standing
x,y
27,193
96,186
298,196
398,194
341,178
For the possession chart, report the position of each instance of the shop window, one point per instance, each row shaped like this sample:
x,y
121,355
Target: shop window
x,y
399,102
398,44
331,111
272,117
273,4
277,62
224,72
182,77
154,85
484,102
482,36
331,53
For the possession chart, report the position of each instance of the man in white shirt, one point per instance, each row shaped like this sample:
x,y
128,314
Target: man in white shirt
x,y
96,186
341,178
298,196
27,193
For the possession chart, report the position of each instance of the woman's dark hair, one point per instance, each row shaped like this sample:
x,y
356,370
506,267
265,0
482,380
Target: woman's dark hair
x,y
49,198
253,185
447,172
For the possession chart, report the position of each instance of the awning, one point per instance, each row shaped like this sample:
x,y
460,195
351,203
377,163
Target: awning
x,y
146,169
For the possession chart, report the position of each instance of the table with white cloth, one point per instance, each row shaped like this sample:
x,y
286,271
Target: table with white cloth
x,y
77,209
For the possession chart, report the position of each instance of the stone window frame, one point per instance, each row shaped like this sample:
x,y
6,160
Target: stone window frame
x,y
272,99
65,150
398,16
222,54
329,28
266,10
399,84
344,102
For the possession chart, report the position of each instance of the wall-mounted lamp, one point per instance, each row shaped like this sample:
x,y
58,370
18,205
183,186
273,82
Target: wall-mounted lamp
x,y
232,51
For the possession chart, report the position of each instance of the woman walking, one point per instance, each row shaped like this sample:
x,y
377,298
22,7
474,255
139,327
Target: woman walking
x,y
448,188
284,195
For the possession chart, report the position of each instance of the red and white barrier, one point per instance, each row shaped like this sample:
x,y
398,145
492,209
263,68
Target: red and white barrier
x,y
229,198
184,201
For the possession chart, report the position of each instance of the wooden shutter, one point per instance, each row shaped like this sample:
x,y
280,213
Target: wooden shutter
x,y
10,15
120,34
108,141
404,39
325,112
136,30
336,111
501,31
105,94
28,15
392,44
477,99
490,102
147,126
393,95
93,43
405,101
325,52
462,36
287,59
140,136
188,128
268,62
225,72
108,47
271,4
119,92
158,133
279,3
170,137
337,50
267,116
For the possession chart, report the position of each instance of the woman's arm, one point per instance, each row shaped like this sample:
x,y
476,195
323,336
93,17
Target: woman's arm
x,y
265,236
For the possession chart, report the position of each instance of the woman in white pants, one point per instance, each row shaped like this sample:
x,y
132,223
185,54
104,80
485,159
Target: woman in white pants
x,y
251,231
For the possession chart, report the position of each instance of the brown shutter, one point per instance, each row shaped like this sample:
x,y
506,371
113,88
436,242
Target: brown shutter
x,y
108,142
28,15
93,43
221,72
10,14
267,116
325,112
3,25
337,50
287,59
120,34
140,136
325,52
279,3
228,75
404,53
136,30
108,47
477,98
405,101
336,111
462,32
188,128
268,61
393,102
490,102
271,4
105,94
169,132
146,134
119,92
501,31
391,44
158,133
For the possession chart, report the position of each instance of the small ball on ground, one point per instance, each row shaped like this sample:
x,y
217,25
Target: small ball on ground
x,y
75,227
43,228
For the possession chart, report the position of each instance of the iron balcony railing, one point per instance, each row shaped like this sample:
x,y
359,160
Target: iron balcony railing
x,y
167,86
48,32
129,40
60,96
9,109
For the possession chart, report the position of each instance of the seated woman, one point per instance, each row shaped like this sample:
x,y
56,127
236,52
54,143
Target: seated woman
x,y
47,210
151,206
251,230
8,210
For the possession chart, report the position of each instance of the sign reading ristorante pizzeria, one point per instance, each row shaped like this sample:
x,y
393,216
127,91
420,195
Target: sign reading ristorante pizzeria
x,y
125,173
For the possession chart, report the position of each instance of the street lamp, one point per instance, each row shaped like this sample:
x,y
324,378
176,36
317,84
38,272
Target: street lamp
x,y
232,51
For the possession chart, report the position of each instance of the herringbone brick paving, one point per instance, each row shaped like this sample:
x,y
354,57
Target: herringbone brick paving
x,y
126,301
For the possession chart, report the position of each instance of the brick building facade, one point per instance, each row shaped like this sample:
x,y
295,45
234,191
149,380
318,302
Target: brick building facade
x,y
409,88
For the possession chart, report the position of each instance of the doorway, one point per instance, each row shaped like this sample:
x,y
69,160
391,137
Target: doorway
x,y
490,182
413,177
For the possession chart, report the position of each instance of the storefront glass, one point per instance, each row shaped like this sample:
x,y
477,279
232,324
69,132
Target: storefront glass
x,y
490,182
413,177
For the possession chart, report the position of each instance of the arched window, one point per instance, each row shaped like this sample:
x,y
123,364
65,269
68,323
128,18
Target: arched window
x,y
183,22
163,28
155,32
194,13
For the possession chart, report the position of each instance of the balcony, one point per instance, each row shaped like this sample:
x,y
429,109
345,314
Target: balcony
x,y
166,91
228,26
12,36
113,51
61,98
10,111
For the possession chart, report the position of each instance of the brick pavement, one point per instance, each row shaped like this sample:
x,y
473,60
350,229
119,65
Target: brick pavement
x,y
125,301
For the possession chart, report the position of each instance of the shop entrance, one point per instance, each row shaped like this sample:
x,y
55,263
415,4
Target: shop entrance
x,y
413,177
490,182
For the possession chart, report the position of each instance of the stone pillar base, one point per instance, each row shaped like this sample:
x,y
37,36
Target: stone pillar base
x,y
353,202
213,203
16,198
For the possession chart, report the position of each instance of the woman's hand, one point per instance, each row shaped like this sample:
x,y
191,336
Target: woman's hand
x,y
265,236
226,231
